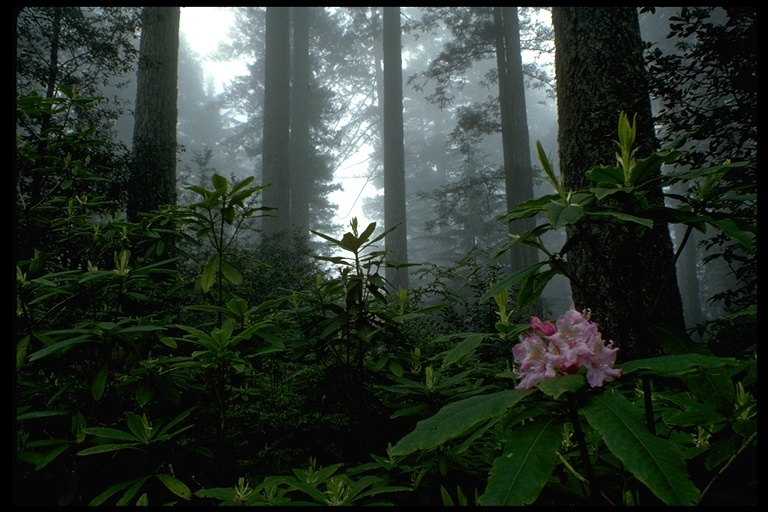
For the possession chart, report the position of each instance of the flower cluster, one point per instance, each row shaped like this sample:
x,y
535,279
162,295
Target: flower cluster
x,y
573,343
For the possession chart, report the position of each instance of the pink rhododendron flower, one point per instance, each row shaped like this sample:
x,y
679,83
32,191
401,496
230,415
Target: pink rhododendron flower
x,y
547,329
600,367
536,362
574,342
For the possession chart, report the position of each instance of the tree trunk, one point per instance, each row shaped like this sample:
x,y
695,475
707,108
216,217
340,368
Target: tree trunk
x,y
275,161
394,154
300,175
624,274
518,174
153,178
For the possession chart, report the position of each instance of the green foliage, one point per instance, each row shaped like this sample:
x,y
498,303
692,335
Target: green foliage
x,y
310,486
661,442
627,183
150,372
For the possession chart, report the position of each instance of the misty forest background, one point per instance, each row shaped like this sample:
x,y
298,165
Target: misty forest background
x,y
197,319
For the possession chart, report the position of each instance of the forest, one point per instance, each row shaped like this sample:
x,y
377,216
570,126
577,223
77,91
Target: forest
x,y
545,292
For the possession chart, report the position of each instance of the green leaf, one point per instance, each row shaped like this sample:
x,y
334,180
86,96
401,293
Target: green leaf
x,y
104,448
456,419
39,414
228,214
606,175
624,217
112,433
57,347
676,365
137,424
532,287
101,498
470,343
143,393
131,492
220,183
510,280
560,215
646,169
175,485
310,491
730,228
656,462
238,306
602,193
231,273
210,273
692,414
522,470
713,388
99,383
50,456
562,384
141,328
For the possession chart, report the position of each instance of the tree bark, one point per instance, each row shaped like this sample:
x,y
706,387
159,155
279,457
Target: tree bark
x,y
394,153
275,161
623,273
153,178
518,174
300,175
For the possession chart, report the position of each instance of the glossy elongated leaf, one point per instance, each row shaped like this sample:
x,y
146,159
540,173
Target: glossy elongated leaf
x,y
141,328
39,414
175,485
104,448
231,273
602,193
209,274
522,470
101,498
676,365
99,383
656,462
126,498
470,343
560,215
625,217
238,306
112,433
57,347
606,175
691,415
140,427
713,387
562,384
50,456
532,287
456,419
730,228
219,182
510,280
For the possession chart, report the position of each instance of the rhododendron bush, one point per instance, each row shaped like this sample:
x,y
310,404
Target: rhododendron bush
x,y
573,343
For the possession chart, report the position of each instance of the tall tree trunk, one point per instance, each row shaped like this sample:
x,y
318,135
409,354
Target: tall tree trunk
x,y
153,178
274,159
518,174
625,275
394,153
300,175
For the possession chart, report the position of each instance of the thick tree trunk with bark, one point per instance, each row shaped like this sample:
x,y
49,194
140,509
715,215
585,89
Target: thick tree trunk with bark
x,y
623,273
275,161
518,174
153,178
300,177
394,154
